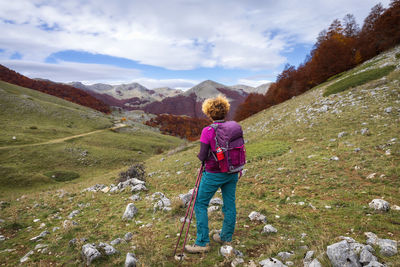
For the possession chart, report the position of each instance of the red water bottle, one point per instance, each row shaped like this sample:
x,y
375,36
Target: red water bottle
x,y
220,154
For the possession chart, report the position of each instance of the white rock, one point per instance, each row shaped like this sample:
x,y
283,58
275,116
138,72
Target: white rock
x,y
388,109
272,262
216,201
130,211
130,260
212,209
269,229
26,257
340,255
256,216
105,189
285,255
395,207
90,253
226,251
371,176
73,214
335,158
128,236
108,249
379,205
315,263
139,187
2,238
341,134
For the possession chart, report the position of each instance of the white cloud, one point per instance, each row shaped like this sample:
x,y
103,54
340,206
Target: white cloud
x,y
172,34
253,83
67,71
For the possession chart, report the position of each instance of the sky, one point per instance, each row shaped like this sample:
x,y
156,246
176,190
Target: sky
x,y
158,43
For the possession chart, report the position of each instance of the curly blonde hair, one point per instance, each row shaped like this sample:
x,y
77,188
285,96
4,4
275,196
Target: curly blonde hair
x,y
216,108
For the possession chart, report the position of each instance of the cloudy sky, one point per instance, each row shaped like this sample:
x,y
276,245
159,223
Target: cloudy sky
x,y
173,43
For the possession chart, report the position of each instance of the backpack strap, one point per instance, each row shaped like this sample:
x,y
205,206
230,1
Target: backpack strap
x,y
215,127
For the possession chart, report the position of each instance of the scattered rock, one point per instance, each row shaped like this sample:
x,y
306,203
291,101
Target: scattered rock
x,y
371,176
285,255
117,241
108,249
269,229
335,158
375,264
128,236
314,263
388,109
90,253
94,188
365,131
130,260
185,198
387,247
341,255
139,187
73,214
256,216
130,211
212,209
26,257
69,224
216,201
308,258
105,189
341,134
395,207
162,202
237,262
366,257
272,262
226,251
379,205
39,237
135,197
2,238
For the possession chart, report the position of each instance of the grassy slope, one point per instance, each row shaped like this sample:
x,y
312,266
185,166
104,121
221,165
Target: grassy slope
x,y
289,151
23,168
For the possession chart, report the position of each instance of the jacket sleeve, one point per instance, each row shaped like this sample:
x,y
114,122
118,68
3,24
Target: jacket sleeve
x,y
203,154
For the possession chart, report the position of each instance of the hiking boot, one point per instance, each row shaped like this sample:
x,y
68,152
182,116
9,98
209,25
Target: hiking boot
x,y
217,238
197,249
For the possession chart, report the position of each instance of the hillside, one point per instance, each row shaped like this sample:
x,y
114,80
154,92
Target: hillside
x,y
63,91
314,165
29,118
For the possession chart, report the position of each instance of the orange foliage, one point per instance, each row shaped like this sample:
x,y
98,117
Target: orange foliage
x,y
182,126
64,91
339,48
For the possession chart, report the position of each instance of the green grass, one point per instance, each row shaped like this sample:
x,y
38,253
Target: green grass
x,y
358,79
62,176
266,149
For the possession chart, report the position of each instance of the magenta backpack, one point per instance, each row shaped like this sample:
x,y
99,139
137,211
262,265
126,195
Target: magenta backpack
x,y
229,148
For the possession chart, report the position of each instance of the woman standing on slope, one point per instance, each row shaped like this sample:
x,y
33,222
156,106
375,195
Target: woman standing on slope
x,y
216,175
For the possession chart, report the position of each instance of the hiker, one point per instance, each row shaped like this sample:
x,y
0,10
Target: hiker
x,y
215,176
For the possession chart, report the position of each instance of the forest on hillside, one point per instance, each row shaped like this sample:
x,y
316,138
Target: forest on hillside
x,y
63,91
341,47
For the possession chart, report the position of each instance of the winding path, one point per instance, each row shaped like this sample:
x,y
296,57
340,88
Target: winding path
x,y
60,140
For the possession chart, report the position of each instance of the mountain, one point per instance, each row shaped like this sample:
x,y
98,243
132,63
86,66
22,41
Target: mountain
x,y
63,91
134,96
245,88
262,89
189,103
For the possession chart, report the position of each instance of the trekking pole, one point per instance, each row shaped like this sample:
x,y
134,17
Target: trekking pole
x,y
197,184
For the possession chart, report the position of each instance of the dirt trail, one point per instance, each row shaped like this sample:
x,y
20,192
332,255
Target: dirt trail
x,y
60,140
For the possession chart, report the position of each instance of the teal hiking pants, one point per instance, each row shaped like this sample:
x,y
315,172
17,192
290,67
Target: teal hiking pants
x,y
210,182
